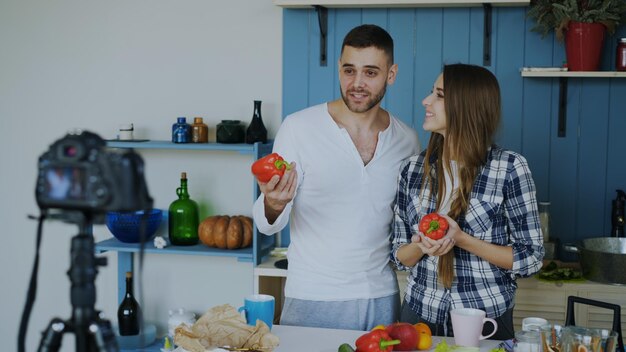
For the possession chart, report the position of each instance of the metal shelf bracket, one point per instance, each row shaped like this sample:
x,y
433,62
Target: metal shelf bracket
x,y
562,106
487,34
322,19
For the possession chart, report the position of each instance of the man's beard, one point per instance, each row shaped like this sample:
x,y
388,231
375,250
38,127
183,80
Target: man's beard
x,y
368,105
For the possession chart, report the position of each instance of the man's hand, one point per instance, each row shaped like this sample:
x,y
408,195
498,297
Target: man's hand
x,y
279,192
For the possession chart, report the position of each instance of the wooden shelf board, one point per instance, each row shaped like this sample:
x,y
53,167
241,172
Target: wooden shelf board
x,y
589,74
242,148
396,3
113,244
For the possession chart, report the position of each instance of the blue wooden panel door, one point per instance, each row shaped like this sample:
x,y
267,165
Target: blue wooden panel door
x,y
578,173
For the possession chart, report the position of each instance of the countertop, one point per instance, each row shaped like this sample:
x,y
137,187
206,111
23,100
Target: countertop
x,y
304,339
301,339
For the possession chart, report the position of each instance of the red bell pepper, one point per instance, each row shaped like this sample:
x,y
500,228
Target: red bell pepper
x,y
434,226
268,166
375,341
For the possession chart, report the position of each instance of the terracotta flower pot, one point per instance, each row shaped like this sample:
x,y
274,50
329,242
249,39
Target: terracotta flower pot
x,y
583,45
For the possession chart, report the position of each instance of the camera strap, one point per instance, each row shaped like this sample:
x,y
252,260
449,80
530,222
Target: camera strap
x,y
32,290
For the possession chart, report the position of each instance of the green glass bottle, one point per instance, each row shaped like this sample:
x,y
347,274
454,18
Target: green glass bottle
x,y
183,217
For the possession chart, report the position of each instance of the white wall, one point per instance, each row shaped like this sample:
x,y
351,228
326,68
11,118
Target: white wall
x,y
96,64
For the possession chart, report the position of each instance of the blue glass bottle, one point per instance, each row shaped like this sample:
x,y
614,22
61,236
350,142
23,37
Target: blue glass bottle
x,y
181,131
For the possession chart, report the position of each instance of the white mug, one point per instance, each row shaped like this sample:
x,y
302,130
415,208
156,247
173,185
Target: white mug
x,y
467,324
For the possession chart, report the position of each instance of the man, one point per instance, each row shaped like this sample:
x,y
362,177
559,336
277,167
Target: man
x,y
339,193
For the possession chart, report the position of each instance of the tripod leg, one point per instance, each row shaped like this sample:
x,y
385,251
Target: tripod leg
x,y
51,339
103,336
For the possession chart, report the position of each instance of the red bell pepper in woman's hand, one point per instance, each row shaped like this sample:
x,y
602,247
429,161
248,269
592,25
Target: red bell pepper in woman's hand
x,y
375,341
433,226
268,166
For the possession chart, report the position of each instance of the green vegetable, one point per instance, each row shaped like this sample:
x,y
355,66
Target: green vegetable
x,y
444,347
552,272
345,347
551,266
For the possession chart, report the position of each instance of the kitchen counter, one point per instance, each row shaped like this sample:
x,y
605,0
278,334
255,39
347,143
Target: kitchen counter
x,y
303,339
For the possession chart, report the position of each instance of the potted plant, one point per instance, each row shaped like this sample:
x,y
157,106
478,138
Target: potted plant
x,y
581,23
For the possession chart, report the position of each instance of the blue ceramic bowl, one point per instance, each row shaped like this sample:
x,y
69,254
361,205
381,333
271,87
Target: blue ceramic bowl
x,y
126,227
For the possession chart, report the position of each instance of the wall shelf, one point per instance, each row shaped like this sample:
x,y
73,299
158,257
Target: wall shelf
x,y
261,244
563,76
237,147
112,244
589,74
322,14
396,3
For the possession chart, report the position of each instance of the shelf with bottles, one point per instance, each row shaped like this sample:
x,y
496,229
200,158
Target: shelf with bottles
x,y
243,255
261,244
256,149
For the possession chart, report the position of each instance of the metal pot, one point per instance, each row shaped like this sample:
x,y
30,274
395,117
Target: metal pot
x,y
602,259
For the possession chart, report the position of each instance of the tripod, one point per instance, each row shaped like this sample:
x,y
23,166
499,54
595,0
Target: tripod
x,y
92,332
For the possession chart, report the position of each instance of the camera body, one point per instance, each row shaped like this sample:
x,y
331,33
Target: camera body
x,y
79,173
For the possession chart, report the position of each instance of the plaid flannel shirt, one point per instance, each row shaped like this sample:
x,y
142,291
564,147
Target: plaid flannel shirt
x,y
502,210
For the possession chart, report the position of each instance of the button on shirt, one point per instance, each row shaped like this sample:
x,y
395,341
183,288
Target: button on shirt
x,y
502,210
342,211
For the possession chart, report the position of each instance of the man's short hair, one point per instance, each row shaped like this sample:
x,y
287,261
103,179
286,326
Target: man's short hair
x,y
369,35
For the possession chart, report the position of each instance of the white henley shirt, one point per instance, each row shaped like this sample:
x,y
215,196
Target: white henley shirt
x,y
342,212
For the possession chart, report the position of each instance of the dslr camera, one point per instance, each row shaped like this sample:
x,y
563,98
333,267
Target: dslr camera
x,y
79,173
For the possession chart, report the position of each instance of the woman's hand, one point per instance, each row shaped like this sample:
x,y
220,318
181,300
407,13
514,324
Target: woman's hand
x,y
454,231
433,247
441,246
501,256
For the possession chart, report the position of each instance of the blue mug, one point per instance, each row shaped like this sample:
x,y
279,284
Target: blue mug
x,y
258,307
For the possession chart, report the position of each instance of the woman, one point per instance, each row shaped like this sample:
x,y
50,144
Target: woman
x,y
486,194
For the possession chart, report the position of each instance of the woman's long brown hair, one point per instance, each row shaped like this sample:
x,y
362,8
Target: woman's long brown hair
x,y
472,105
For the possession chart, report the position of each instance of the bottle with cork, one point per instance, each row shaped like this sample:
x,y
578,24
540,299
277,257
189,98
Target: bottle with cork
x,y
183,217
129,313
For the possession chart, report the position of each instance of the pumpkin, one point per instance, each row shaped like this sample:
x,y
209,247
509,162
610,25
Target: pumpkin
x,y
226,232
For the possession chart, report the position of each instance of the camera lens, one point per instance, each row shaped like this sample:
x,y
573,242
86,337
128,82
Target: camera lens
x,y
70,151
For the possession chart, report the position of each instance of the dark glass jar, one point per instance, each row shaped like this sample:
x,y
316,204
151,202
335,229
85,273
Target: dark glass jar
x,y
620,55
181,131
229,131
256,131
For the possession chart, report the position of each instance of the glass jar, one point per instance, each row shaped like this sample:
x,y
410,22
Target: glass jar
x,y
620,55
576,338
527,341
230,131
551,337
181,131
199,131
